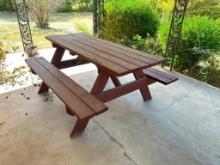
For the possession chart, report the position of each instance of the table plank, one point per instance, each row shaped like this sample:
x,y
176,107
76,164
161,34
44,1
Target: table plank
x,y
99,53
111,51
123,49
91,57
114,59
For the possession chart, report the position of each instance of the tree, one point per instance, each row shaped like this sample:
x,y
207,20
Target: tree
x,y
41,10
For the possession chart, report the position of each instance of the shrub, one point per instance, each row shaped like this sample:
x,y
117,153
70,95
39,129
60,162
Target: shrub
x,y
78,6
6,5
41,10
200,36
163,7
149,45
213,72
126,18
208,71
68,7
85,5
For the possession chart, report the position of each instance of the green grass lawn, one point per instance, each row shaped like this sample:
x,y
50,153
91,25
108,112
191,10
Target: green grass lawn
x,y
60,23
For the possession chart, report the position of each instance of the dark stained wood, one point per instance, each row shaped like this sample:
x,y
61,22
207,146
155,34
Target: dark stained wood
x,y
144,89
72,100
122,90
114,51
56,60
160,76
116,81
113,60
110,52
100,83
58,55
69,111
91,57
96,105
43,88
71,63
103,55
122,49
79,127
76,99
82,111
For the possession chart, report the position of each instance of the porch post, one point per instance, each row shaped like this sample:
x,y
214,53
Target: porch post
x,y
98,14
179,12
24,26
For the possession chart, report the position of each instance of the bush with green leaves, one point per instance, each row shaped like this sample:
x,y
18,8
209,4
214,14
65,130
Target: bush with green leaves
x,y
6,5
84,5
149,45
212,72
67,7
126,18
200,36
208,71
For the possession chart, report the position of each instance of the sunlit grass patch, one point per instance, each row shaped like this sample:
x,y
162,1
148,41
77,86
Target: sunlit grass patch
x,y
60,23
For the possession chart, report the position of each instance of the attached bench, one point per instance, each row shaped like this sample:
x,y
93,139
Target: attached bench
x,y
78,101
160,76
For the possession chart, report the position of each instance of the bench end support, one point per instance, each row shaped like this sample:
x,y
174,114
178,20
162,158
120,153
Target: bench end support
x,y
79,127
43,88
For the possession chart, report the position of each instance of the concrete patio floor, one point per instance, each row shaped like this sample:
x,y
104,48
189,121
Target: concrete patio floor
x,y
179,126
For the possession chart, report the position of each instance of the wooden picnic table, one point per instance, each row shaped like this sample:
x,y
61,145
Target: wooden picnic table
x,y
112,61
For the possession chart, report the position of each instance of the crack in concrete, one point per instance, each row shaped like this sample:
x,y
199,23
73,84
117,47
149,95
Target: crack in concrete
x,y
117,142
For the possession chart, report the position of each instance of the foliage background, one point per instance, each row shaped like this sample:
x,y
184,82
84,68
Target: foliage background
x,y
126,18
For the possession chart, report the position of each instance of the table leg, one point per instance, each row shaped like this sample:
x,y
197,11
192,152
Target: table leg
x,y
116,81
145,91
68,111
79,127
100,83
57,57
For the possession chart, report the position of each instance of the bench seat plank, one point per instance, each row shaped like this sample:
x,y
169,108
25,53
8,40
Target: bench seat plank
x,y
81,109
96,105
160,76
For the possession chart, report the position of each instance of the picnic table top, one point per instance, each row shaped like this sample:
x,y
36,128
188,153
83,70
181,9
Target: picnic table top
x,y
113,58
